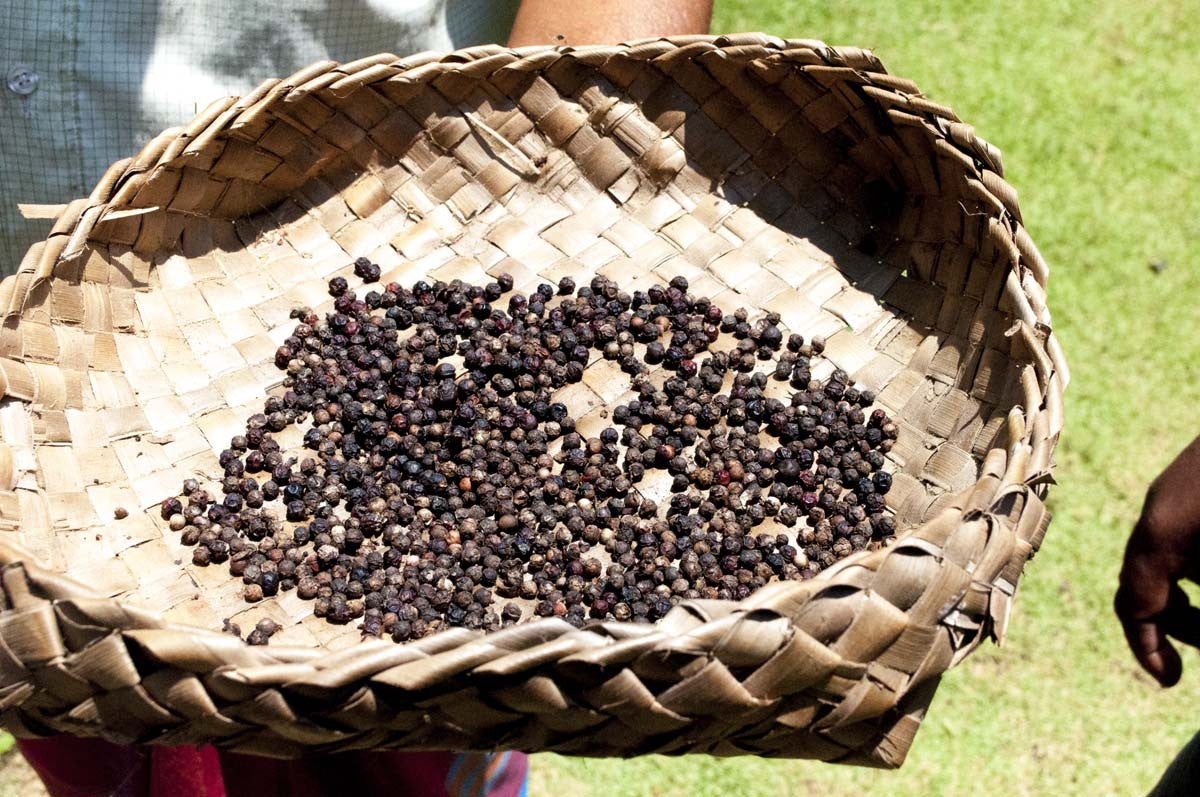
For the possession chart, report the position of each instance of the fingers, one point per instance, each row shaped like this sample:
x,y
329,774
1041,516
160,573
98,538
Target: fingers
x,y
1154,651
1147,634
1142,601
1145,588
1164,547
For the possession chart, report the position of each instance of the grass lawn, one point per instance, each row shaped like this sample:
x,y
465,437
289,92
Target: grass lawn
x,y
1092,103
1093,106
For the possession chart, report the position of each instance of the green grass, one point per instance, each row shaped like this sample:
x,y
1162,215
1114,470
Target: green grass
x,y
1093,105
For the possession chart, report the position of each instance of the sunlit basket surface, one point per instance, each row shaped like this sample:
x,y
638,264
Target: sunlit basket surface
x,y
782,176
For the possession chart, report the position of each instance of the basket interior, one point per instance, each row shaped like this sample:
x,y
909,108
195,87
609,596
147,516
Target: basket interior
x,y
768,187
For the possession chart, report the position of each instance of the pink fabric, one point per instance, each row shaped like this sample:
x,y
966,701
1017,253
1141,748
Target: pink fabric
x,y
72,767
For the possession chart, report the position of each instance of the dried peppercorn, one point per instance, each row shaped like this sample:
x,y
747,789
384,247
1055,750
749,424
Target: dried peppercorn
x,y
427,486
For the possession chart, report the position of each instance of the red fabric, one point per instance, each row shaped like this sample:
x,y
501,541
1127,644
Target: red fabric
x,y
343,773
72,767
186,772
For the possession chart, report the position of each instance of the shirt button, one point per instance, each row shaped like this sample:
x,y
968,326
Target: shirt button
x,y
22,80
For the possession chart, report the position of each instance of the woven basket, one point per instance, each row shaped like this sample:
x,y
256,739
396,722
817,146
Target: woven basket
x,y
777,175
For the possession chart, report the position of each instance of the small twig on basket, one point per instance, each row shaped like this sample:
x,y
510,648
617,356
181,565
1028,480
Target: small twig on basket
x,y
523,164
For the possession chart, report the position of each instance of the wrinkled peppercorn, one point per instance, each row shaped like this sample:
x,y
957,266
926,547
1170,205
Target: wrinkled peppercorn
x,y
426,486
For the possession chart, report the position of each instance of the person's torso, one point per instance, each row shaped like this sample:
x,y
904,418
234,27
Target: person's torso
x,y
87,83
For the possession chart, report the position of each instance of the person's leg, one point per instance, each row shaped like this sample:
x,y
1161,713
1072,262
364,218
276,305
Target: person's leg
x,y
1182,776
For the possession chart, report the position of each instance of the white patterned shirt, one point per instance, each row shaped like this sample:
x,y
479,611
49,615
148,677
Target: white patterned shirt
x,y
86,83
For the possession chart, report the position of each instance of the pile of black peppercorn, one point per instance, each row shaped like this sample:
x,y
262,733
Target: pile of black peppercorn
x,y
442,483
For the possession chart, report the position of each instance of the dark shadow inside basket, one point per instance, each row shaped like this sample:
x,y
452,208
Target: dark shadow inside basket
x,y
809,198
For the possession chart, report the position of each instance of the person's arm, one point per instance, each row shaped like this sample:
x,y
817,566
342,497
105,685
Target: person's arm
x,y
1163,549
608,22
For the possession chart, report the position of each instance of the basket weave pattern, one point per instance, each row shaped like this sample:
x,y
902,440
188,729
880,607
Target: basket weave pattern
x,y
782,176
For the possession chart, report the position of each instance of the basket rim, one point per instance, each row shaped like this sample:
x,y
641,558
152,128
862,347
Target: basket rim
x,y
1010,489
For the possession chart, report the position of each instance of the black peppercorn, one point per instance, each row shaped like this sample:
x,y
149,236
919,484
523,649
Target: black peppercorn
x,y
366,270
420,473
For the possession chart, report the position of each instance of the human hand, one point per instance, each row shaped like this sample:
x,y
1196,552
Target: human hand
x,y
1163,549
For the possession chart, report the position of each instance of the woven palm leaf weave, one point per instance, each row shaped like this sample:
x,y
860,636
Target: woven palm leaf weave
x,y
778,175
